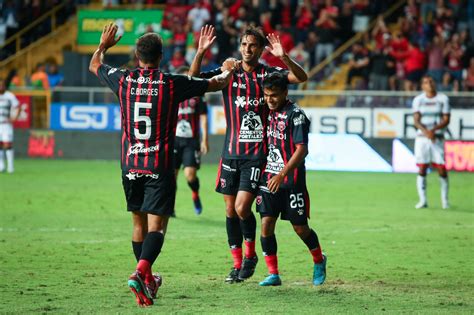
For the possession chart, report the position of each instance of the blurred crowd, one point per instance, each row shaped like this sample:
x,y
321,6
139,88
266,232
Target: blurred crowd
x,y
424,36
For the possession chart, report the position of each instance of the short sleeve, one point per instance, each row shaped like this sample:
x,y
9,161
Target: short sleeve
x,y
300,127
110,76
416,105
202,106
186,87
446,109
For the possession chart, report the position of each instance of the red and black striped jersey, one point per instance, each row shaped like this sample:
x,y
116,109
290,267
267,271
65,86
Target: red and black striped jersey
x,y
149,102
245,113
286,128
189,113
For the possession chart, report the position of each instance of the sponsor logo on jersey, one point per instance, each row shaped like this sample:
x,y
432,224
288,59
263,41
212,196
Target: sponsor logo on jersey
x,y
241,101
138,148
275,133
275,161
299,120
111,71
186,110
300,211
239,85
144,80
251,129
134,176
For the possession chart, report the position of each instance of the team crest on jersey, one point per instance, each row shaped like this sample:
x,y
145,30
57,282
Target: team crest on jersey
x,y
281,126
223,182
251,129
275,161
183,129
258,200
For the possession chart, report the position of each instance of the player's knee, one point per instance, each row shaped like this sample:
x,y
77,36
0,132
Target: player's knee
x,y
268,226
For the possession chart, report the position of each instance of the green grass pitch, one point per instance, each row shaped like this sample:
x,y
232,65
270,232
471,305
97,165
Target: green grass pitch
x,y
65,247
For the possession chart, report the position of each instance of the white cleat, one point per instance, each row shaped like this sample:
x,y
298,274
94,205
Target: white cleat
x,y
421,204
445,205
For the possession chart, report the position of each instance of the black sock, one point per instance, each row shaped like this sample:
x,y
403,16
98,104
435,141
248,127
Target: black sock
x,y
194,185
269,245
152,246
249,227
312,240
137,249
234,233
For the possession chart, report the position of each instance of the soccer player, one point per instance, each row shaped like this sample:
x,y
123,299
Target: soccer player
x,y
149,102
244,152
283,184
431,112
8,102
192,114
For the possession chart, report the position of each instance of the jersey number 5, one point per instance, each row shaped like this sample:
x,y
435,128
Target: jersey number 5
x,y
142,118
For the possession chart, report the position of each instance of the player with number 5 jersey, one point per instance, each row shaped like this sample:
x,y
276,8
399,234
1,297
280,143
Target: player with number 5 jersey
x,y
149,101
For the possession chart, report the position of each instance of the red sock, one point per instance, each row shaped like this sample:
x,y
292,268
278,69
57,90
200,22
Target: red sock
x,y
195,195
237,256
144,268
317,255
272,264
250,249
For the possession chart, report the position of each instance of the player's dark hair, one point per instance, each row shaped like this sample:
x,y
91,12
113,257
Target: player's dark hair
x,y
276,80
149,47
255,32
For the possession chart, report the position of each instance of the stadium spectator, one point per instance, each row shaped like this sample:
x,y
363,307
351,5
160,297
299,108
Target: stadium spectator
x,y
448,84
454,52
283,189
431,115
9,112
243,155
436,59
150,100
301,56
326,26
198,16
413,64
304,19
345,21
191,141
469,76
55,78
382,70
39,78
358,65
177,60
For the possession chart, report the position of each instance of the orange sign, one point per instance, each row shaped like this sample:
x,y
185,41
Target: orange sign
x,y
460,155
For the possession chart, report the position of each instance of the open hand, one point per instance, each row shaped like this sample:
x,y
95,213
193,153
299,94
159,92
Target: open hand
x,y
107,39
275,48
207,37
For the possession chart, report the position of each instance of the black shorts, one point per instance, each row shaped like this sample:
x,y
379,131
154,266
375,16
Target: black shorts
x,y
150,193
237,175
290,204
187,152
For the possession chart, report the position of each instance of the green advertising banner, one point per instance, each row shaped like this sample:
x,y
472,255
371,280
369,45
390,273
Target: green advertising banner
x,y
131,23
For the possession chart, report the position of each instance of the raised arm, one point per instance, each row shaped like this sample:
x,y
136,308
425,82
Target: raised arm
x,y
204,134
206,40
107,40
297,73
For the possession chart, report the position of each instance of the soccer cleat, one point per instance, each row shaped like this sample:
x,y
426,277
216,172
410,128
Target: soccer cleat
x,y
270,280
421,204
445,205
153,288
248,268
319,272
197,205
233,276
138,287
